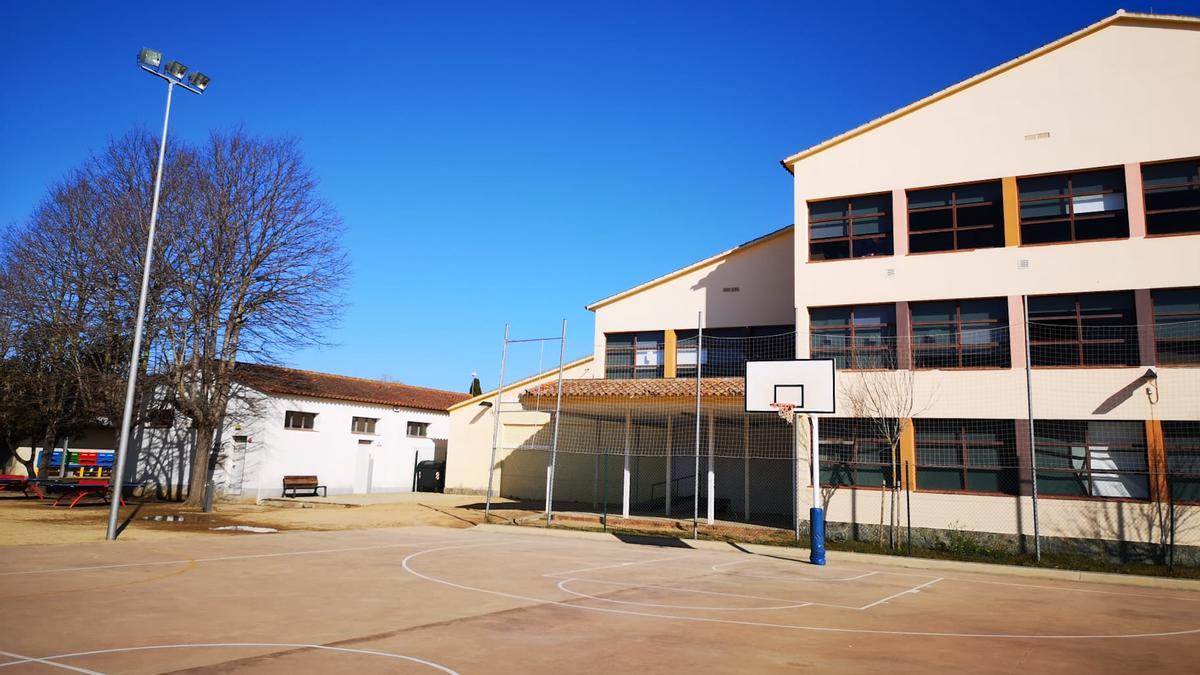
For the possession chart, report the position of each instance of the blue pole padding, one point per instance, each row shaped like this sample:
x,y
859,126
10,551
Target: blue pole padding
x,y
816,533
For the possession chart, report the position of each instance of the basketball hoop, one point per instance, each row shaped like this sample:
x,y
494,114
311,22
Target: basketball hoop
x,y
784,410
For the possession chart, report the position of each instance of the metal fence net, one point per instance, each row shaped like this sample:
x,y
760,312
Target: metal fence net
x,y
971,438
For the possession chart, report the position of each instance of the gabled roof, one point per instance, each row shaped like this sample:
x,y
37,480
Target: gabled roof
x,y
1121,17
292,382
523,382
740,248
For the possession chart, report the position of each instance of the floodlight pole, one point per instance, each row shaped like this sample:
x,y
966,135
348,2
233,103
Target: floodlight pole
x,y
135,356
173,80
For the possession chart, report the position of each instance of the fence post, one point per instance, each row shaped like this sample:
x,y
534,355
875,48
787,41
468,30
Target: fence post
x,y
1171,507
908,504
1037,538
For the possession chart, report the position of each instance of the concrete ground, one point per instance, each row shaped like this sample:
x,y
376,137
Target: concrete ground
x,y
28,521
522,600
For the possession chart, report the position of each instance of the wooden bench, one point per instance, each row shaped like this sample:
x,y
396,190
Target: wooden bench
x,y
304,483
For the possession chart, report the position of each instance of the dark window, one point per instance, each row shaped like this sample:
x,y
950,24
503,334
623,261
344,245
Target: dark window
x,y
1177,325
293,419
859,227
966,455
631,356
960,334
1073,207
726,350
854,452
1181,441
1091,459
160,418
1093,329
363,425
855,337
418,429
956,218
1172,197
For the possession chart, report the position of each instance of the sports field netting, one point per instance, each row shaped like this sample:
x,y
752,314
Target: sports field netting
x,y
958,434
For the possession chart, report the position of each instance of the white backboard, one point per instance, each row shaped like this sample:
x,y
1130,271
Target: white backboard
x,y
808,384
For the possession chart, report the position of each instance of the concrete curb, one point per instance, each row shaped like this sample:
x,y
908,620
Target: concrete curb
x,y
801,554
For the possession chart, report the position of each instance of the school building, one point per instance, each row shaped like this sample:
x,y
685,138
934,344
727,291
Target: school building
x,y
1015,259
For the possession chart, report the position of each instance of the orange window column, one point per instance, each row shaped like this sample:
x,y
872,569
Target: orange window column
x,y
1012,211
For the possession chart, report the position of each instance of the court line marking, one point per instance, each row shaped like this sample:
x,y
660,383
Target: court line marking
x,y
630,563
31,659
221,558
49,660
108,587
562,586
720,568
405,563
914,589
803,603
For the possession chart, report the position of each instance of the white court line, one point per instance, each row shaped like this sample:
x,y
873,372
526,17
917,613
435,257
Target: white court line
x,y
562,586
804,603
222,558
30,659
720,568
630,563
405,563
49,660
914,589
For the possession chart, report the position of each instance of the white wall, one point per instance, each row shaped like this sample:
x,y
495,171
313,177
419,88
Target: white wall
x,y
346,462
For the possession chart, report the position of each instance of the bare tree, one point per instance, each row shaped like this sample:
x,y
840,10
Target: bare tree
x,y
65,297
258,271
888,399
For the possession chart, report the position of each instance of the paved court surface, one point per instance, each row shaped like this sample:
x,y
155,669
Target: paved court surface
x,y
430,600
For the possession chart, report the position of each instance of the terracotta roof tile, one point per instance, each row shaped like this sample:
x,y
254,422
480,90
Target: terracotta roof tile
x,y
288,381
709,387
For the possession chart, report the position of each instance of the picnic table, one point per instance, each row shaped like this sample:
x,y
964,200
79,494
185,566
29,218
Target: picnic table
x,y
14,482
74,490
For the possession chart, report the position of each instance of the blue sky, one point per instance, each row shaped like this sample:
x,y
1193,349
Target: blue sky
x,y
502,162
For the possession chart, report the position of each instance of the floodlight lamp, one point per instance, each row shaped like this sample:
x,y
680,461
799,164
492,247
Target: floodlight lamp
x,y
175,69
199,80
149,57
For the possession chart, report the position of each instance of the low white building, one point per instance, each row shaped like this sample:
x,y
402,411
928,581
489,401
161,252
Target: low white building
x,y
356,435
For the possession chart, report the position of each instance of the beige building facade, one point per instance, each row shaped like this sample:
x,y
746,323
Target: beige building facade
x,y
1018,253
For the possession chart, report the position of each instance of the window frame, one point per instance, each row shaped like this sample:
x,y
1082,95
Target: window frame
x,y
1087,471
862,433
954,207
633,370
422,426
1005,346
1069,196
1193,182
1080,340
1006,445
889,341
1189,317
310,417
1172,446
369,428
884,214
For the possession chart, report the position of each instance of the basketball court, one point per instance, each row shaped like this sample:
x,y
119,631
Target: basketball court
x,y
517,601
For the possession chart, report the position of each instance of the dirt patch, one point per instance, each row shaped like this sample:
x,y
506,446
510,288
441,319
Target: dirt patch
x,y
31,521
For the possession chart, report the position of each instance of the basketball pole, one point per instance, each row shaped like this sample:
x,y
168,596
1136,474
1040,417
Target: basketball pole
x,y
816,514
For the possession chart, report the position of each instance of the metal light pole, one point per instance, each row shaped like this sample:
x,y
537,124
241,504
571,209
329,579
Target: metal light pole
x,y
150,61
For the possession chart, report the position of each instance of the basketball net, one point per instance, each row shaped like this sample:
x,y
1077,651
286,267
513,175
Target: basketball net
x,y
784,410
